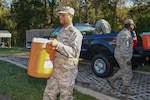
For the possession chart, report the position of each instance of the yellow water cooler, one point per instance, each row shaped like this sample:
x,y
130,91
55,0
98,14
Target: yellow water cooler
x,y
40,64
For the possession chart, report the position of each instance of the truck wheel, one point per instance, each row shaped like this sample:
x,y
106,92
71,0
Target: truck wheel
x,y
101,65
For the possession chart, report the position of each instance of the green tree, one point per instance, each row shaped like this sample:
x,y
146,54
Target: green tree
x,y
28,14
143,24
140,14
36,14
52,14
4,16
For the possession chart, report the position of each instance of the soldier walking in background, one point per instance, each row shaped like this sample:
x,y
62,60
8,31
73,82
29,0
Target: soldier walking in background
x,y
68,45
123,55
102,26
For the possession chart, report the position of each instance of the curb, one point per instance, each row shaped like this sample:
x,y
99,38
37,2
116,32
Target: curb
x,y
141,72
15,63
95,94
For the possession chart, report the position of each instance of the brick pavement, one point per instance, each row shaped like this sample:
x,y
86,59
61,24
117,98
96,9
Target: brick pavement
x,y
140,84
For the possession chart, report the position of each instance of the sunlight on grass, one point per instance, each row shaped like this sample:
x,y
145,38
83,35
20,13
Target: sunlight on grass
x,y
84,61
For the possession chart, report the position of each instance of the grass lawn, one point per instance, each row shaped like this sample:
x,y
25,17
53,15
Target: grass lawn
x,y
143,68
17,85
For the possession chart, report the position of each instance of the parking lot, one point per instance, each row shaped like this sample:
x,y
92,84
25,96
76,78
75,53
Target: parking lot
x,y
87,79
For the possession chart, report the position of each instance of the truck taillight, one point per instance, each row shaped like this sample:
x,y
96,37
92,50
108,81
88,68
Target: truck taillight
x,y
135,41
114,39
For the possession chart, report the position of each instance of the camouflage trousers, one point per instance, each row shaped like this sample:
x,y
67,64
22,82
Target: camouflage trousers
x,y
125,71
62,86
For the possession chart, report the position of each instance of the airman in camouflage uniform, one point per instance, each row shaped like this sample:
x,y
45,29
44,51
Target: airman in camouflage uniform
x,y
68,45
102,26
123,55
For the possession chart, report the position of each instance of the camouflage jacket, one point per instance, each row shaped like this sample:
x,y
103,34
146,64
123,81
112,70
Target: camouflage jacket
x,y
67,51
124,44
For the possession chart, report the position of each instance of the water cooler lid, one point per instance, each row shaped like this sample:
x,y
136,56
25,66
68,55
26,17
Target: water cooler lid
x,y
145,33
40,40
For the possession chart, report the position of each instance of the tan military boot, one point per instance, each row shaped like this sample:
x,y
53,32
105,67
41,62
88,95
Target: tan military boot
x,y
111,82
126,90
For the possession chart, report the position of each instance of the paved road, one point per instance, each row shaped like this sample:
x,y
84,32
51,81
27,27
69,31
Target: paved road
x,y
86,78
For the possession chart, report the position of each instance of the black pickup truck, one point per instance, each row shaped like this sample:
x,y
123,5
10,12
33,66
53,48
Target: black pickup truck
x,y
99,49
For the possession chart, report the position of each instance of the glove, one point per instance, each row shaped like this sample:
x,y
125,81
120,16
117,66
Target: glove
x,y
129,62
53,42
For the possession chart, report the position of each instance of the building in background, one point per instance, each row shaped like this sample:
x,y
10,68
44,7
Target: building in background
x,y
5,38
36,33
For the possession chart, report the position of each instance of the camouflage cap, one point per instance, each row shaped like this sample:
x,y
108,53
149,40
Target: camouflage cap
x,y
67,9
129,21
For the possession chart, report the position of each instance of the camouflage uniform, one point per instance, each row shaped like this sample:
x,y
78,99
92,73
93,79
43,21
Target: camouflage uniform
x,y
123,53
65,65
102,26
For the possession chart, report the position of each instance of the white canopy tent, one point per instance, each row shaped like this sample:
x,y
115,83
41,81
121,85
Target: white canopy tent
x,y
5,34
